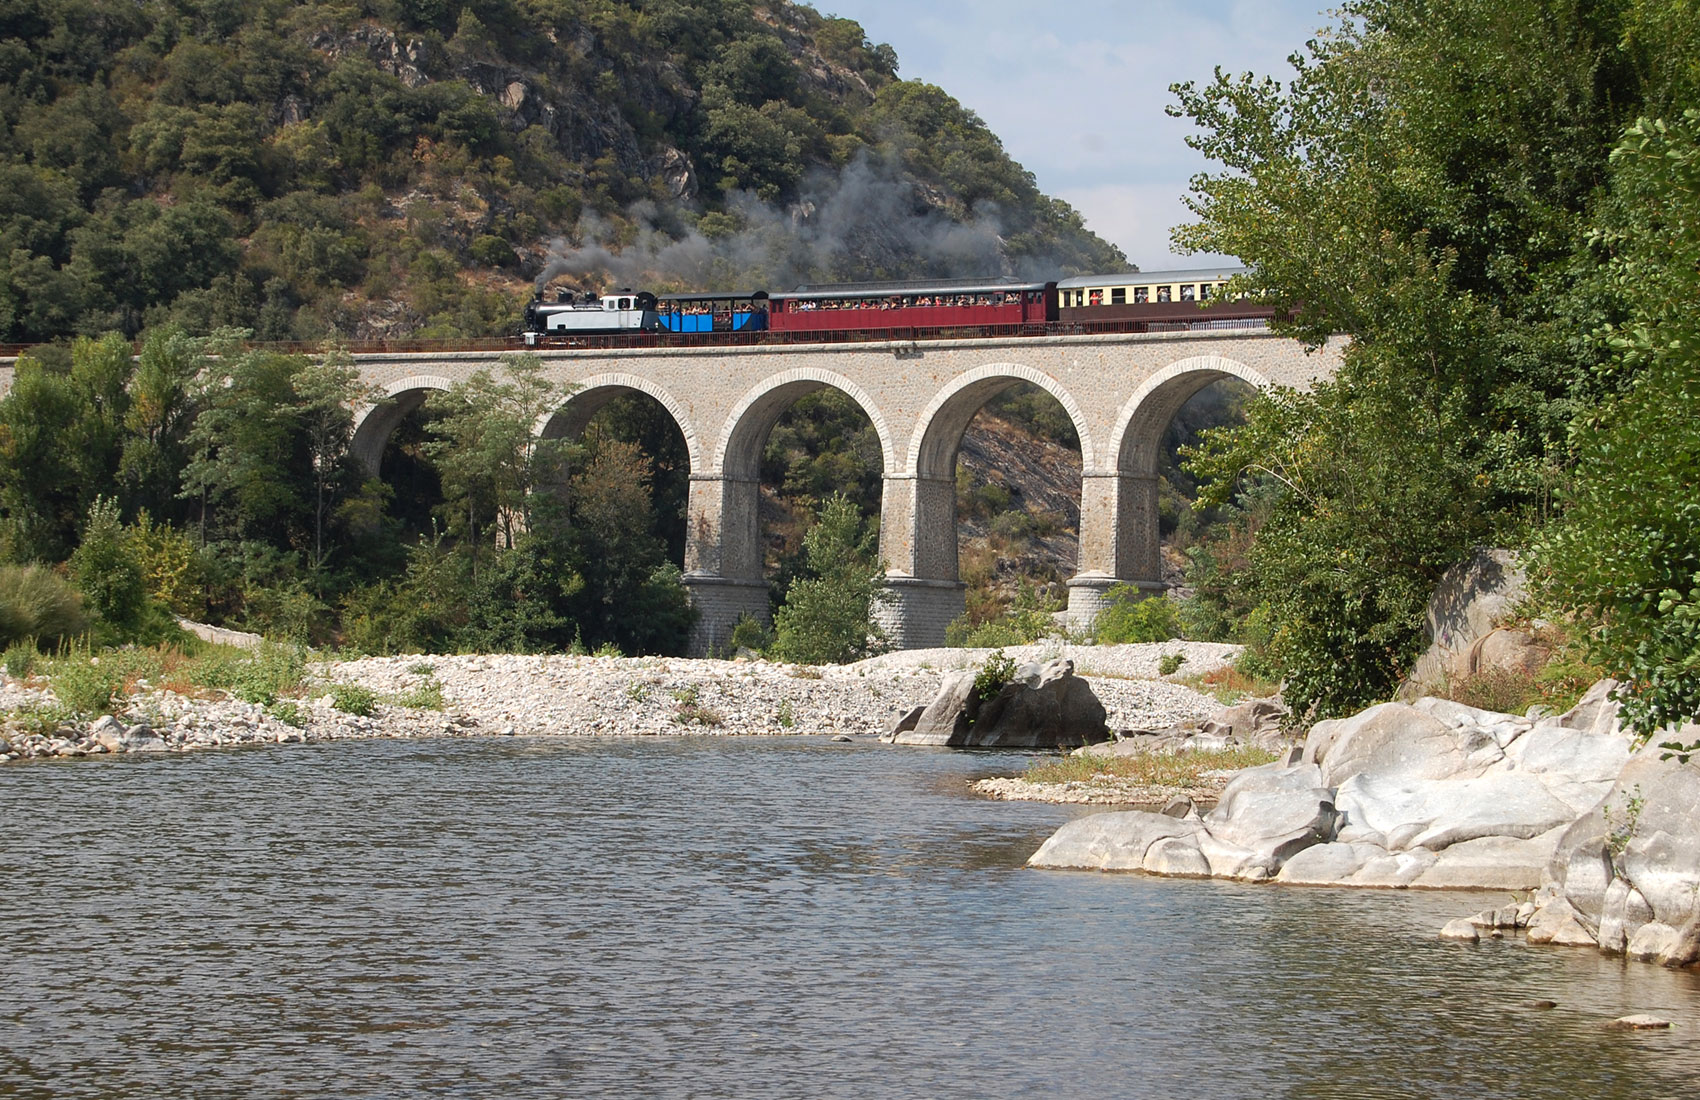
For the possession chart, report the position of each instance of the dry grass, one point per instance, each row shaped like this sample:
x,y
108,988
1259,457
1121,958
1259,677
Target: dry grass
x,y
1229,685
1155,769
1563,680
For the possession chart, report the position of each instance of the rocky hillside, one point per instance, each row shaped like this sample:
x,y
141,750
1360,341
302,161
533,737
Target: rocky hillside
x,y
406,167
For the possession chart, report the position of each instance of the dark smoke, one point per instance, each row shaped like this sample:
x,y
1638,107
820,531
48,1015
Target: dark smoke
x,y
861,224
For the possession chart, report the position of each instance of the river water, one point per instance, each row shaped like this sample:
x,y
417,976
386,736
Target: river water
x,y
725,918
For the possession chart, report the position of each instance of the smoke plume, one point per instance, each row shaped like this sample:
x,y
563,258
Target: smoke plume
x,y
863,223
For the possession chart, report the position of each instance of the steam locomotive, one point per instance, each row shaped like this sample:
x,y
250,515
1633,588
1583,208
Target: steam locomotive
x,y
1088,303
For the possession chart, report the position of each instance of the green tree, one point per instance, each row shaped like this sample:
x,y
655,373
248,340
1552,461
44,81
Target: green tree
x,y
1424,184
157,422
327,391
828,616
109,574
61,435
632,595
487,450
1625,553
247,460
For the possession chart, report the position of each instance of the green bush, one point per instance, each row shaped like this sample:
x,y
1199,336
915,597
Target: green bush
x,y
36,603
1030,617
828,616
1134,617
993,675
354,699
82,684
260,677
965,634
1170,663
20,658
287,711
751,633
109,574
427,695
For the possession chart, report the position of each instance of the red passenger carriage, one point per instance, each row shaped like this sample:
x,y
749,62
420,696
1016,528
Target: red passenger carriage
x,y
939,306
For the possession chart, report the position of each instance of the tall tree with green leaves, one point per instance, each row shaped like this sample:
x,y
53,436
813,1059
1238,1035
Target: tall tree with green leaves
x,y
327,391
247,459
488,451
1424,185
828,616
157,422
1625,552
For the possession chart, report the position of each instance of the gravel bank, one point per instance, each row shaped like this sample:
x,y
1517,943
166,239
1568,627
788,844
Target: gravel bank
x,y
567,696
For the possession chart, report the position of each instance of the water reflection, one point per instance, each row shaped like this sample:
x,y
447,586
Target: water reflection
x,y
724,918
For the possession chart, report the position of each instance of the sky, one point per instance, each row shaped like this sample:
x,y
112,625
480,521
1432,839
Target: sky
x,y
1079,100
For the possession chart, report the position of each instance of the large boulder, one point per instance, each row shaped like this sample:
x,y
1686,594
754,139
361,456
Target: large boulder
x,y
1645,835
1121,842
1044,707
1470,599
1393,739
1396,813
1265,816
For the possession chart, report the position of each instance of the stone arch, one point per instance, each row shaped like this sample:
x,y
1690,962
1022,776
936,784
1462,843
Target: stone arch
x,y
591,394
1140,426
739,452
374,423
938,433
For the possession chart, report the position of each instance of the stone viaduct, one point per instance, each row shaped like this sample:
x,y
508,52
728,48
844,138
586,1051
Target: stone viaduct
x,y
1120,390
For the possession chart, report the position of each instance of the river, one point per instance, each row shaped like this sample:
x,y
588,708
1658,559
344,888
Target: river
x,y
714,917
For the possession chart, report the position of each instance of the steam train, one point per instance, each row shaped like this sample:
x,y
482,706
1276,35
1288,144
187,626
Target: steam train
x,y
1132,302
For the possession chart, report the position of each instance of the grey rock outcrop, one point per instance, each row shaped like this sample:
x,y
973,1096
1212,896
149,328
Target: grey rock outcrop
x,y
1044,706
1470,599
1430,794
1626,874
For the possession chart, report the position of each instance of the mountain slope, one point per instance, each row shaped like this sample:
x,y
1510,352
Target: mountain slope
x,y
413,166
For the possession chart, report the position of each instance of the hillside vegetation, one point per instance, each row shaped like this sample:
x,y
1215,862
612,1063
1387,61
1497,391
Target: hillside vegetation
x,y
410,167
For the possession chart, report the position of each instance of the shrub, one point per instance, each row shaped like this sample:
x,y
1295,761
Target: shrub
x,y
82,684
20,658
36,603
427,695
1170,663
259,677
995,634
171,569
751,633
1030,617
1134,617
354,699
288,712
690,711
109,574
993,675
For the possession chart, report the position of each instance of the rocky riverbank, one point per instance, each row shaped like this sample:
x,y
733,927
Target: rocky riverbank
x,y
1603,835
572,696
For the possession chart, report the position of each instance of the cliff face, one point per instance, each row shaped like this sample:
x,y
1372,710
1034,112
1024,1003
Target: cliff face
x,y
413,167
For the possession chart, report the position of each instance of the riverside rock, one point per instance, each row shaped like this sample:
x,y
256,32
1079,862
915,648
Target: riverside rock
x,y
1044,706
1430,794
1626,874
